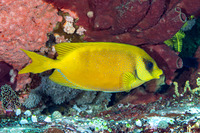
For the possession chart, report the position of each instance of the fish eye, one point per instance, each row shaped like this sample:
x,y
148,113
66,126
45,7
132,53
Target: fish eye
x,y
149,65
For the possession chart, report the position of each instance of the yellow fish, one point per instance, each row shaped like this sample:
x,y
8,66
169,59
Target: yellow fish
x,y
97,66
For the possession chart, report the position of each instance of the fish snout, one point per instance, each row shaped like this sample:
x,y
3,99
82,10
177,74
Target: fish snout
x,y
158,73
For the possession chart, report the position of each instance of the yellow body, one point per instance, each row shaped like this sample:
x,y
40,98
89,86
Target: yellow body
x,y
98,66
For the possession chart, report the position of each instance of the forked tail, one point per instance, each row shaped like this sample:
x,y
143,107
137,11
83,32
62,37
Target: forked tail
x,y
39,63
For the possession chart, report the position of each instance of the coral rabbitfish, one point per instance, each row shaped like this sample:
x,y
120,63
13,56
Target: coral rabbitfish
x,y
97,66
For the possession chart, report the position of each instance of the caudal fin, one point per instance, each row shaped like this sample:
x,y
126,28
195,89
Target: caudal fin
x,y
39,63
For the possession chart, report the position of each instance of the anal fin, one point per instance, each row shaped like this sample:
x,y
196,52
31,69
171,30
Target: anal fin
x,y
59,78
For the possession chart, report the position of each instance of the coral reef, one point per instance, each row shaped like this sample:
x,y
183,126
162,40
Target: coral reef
x,y
24,24
146,23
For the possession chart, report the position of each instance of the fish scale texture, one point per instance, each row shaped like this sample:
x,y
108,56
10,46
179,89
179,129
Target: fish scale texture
x,y
24,24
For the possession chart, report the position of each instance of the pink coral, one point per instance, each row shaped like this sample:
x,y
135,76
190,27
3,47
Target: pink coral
x,y
24,24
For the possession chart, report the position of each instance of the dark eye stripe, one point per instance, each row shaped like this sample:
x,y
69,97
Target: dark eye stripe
x,y
148,65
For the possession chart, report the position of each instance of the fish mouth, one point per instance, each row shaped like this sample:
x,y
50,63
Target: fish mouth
x,y
159,73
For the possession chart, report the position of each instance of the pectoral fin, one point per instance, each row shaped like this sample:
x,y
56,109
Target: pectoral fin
x,y
127,80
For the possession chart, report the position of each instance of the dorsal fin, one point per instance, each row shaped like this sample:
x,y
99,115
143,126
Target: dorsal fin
x,y
64,48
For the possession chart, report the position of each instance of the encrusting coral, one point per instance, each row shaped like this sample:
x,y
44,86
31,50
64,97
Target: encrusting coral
x,y
24,24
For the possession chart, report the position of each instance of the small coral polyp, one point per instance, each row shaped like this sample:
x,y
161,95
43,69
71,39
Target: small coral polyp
x,y
68,25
